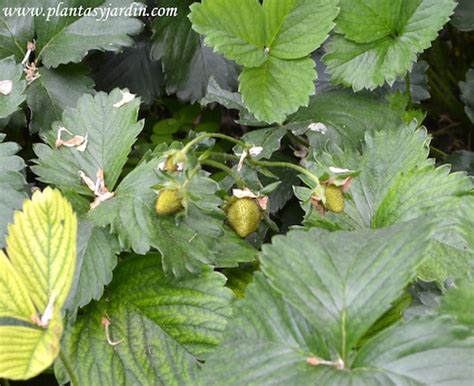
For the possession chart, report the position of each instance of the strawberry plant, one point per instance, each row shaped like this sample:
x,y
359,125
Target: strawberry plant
x,y
223,192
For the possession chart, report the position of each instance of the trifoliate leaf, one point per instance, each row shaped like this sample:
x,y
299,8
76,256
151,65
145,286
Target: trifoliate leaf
x,y
12,93
35,282
382,39
53,92
187,63
467,94
334,278
159,328
277,88
12,184
272,41
102,123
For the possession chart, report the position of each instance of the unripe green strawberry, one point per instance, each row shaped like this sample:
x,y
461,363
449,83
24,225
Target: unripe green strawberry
x,y
334,199
168,202
244,216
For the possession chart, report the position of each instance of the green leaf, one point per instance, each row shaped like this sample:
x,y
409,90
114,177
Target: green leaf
x,y
111,70
463,18
467,94
230,100
63,40
187,63
419,87
41,245
448,258
380,167
240,36
165,326
97,253
272,341
334,279
35,282
15,31
16,302
466,220
346,115
277,88
131,214
459,302
295,28
272,42
187,244
269,339
433,192
232,250
25,352
269,139
53,92
423,351
239,278
10,71
12,184
382,39
104,125
422,191
398,186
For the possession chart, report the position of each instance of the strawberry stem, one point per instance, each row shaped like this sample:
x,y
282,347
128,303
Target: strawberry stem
x,y
205,136
272,164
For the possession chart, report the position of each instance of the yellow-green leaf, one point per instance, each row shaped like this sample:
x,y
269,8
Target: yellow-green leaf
x,y
35,280
25,352
41,245
14,299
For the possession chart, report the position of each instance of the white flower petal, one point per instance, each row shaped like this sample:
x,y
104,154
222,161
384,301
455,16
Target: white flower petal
x,y
126,98
243,193
338,170
6,87
256,150
242,160
318,127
